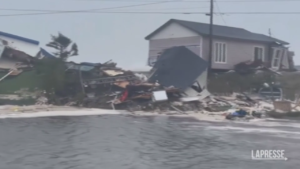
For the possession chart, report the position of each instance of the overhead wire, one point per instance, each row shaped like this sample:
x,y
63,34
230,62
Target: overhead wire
x,y
218,8
197,1
154,12
108,10
75,11
88,10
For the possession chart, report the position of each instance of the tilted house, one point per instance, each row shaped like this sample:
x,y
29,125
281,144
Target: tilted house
x,y
231,45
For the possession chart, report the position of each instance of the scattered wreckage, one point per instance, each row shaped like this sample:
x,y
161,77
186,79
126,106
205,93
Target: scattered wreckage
x,y
175,84
13,62
107,86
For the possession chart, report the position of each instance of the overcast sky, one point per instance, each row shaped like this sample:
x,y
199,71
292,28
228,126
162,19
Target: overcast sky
x,y
120,36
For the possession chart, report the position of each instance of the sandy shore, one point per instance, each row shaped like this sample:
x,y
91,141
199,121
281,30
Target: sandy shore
x,y
48,110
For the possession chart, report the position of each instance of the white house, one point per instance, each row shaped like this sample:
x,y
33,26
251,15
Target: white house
x,y
28,47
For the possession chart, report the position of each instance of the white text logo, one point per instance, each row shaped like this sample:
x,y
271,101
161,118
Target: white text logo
x,y
268,155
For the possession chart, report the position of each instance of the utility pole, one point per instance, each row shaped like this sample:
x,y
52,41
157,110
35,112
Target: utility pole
x,y
211,14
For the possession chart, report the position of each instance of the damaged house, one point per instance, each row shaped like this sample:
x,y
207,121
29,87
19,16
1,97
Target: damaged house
x,y
180,68
17,53
231,45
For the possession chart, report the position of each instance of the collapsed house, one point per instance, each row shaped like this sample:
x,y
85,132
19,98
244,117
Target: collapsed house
x,y
182,69
18,54
13,62
175,85
106,86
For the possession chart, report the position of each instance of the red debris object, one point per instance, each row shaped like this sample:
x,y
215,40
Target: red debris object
x,y
124,96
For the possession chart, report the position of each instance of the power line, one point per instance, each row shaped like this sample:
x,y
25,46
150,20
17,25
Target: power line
x,y
154,12
218,8
87,10
163,9
51,10
260,13
197,1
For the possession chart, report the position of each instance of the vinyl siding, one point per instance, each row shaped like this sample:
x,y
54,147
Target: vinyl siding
x,y
237,51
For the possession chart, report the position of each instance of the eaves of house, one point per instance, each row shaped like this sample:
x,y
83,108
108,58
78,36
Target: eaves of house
x,y
26,45
220,31
20,38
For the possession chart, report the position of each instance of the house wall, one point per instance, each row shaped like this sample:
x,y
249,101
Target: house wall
x,y
174,35
237,51
29,48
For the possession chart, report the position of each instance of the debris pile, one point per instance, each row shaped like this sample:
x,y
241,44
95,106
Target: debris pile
x,y
238,106
173,79
176,84
107,86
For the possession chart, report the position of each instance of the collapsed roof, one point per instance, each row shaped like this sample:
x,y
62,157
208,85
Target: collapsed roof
x,y
178,67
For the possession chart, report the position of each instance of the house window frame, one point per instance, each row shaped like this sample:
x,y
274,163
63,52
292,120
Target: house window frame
x,y
263,53
274,57
217,58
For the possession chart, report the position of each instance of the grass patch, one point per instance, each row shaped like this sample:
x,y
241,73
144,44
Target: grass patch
x,y
235,82
25,102
11,84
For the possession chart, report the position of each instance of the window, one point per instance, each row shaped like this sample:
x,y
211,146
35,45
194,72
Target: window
x,y
220,52
276,58
259,53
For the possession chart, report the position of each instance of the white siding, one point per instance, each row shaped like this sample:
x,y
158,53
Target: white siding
x,y
237,51
29,48
174,30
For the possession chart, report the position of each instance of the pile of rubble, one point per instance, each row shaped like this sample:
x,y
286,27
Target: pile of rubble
x,y
239,106
174,85
107,86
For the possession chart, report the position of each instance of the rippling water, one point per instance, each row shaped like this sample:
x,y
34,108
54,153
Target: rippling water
x,y
127,142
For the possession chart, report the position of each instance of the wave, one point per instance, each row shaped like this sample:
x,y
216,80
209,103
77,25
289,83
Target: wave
x,y
248,130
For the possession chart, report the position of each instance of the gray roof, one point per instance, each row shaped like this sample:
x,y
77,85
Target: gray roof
x,y
220,31
179,67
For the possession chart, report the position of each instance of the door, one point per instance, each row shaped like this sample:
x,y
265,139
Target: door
x,y
277,56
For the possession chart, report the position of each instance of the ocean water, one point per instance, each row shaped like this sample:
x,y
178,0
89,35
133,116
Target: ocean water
x,y
129,142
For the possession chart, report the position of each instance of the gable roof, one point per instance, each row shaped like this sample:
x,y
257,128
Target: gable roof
x,y
19,38
220,31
